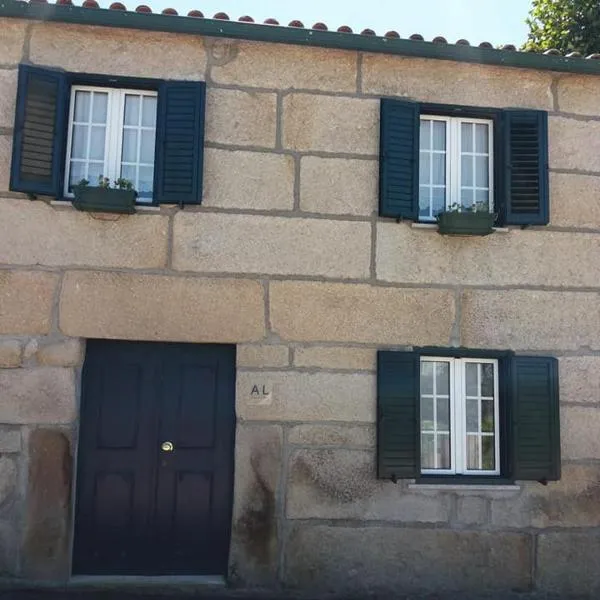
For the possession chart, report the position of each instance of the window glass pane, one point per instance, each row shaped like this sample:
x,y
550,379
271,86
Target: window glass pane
x,y
473,452
146,175
472,416
443,451
488,462
442,378
424,168
439,135
427,377
97,143
77,173
427,451
425,134
443,414
147,147
130,173
466,171
130,139
95,170
466,137
99,107
427,423
471,379
82,106
481,138
439,169
79,141
132,109
487,379
487,416
424,200
482,197
466,198
438,200
481,171
149,111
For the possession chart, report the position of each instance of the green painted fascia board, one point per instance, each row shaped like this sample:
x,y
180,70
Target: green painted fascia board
x,y
292,35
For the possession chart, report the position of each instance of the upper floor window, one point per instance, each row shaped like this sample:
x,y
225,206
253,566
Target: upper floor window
x,y
112,134
455,165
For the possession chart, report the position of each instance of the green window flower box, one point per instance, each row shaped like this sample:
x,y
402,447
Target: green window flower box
x,y
466,223
103,199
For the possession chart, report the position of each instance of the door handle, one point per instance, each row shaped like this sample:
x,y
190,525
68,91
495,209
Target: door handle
x,y
167,447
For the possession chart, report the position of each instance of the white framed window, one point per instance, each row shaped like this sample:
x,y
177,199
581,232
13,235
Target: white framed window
x,y
455,165
459,422
111,134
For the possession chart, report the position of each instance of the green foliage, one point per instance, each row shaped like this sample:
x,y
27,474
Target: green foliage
x,y
104,182
564,25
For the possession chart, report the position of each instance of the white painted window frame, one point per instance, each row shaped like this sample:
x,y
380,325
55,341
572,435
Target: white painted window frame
x,y
458,417
113,141
453,159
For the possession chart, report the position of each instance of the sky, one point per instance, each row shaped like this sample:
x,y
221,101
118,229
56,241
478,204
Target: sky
x,y
495,21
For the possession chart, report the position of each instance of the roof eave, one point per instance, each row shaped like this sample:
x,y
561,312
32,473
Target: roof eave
x,y
297,36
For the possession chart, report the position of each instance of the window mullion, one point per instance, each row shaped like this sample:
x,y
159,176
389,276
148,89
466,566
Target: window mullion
x,y
116,103
457,160
459,401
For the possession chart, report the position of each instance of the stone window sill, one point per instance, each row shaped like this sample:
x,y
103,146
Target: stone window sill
x,y
466,488
139,208
433,226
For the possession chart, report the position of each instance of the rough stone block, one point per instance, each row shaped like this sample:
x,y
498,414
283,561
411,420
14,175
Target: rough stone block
x,y
69,237
10,440
293,396
317,434
330,123
241,118
578,94
8,93
342,484
471,510
573,200
248,180
262,355
333,312
331,357
152,307
10,354
66,353
338,185
8,482
579,379
408,255
12,40
579,433
45,554
400,560
567,563
570,502
117,51
42,395
288,67
275,245
254,546
26,301
5,160
530,320
451,82
574,144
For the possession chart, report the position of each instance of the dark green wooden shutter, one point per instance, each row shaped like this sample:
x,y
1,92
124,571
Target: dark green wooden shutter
x,y
535,418
180,142
398,435
399,159
526,163
40,132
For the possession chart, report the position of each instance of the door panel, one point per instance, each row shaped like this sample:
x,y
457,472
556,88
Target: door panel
x,y
141,509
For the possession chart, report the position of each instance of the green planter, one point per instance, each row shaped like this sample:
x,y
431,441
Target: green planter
x,y
101,199
466,223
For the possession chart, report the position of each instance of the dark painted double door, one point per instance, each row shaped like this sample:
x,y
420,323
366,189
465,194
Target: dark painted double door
x,y
155,462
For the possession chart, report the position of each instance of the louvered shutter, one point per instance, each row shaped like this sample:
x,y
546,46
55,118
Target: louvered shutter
x,y
398,435
399,159
526,164
535,418
40,132
180,142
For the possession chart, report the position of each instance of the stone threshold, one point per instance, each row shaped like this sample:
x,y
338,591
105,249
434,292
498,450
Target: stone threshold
x,y
134,583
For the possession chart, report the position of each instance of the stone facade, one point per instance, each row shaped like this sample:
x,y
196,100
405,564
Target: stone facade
x,y
288,259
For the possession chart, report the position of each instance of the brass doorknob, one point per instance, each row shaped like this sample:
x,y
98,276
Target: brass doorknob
x,y
167,447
